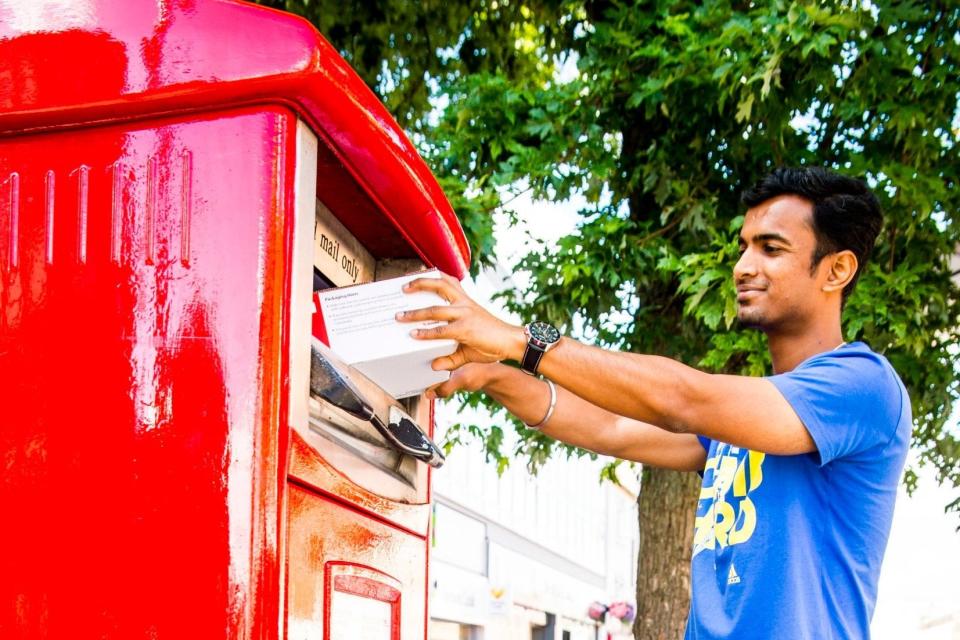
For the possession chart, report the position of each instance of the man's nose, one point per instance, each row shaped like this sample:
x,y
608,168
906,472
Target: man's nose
x,y
745,267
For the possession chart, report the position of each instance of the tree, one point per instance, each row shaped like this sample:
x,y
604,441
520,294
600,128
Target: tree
x,y
674,108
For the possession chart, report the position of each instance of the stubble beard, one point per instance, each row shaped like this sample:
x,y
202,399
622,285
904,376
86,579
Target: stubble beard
x,y
752,318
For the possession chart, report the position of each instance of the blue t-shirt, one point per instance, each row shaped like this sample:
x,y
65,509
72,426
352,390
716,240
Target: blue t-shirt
x,y
789,547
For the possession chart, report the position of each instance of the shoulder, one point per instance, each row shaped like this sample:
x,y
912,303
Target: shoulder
x,y
855,355
854,369
848,399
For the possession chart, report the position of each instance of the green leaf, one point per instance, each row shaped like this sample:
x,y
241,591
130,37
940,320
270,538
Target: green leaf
x,y
744,108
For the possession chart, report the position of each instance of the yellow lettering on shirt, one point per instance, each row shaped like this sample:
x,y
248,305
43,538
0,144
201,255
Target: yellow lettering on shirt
x,y
729,515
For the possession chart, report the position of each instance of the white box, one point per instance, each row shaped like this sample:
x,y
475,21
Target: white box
x,y
361,328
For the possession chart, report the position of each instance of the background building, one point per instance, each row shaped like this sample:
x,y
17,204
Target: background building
x,y
521,556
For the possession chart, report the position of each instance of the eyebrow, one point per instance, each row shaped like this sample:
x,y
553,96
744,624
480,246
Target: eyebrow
x,y
764,237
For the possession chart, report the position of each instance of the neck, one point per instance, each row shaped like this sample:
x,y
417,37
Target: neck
x,y
789,350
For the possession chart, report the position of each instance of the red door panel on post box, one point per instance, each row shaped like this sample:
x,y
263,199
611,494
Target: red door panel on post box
x,y
349,572
320,468
141,286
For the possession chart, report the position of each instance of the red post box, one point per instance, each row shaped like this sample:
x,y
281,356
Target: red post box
x,y
178,459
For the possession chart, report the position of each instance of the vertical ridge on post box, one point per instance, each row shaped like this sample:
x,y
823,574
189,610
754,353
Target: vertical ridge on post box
x,y
49,192
186,204
151,220
13,255
83,193
116,220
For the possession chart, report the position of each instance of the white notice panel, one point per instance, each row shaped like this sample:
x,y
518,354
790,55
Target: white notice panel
x,y
354,617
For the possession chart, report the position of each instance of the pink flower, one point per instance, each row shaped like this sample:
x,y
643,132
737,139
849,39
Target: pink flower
x,y
596,611
622,610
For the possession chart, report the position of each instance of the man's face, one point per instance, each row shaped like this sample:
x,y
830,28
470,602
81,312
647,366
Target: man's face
x,y
776,291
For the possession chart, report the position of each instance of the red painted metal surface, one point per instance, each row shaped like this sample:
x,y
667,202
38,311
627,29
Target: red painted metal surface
x,y
65,63
141,342
309,469
147,162
323,541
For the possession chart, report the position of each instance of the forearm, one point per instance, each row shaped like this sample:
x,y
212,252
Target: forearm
x,y
650,389
742,411
573,421
585,425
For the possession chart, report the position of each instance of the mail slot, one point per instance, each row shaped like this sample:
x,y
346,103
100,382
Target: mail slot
x,y
182,458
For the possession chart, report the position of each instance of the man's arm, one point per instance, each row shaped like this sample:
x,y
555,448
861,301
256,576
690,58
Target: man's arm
x,y
739,410
742,411
578,422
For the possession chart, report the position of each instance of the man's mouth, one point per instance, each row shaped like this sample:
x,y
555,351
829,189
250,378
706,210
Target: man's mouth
x,y
747,291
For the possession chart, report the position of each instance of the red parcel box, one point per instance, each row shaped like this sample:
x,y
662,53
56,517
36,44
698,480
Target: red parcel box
x,y
174,174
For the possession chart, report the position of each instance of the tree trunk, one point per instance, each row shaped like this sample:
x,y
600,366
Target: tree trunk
x,y
667,506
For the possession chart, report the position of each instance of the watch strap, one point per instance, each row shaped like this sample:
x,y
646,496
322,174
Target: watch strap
x,y
531,359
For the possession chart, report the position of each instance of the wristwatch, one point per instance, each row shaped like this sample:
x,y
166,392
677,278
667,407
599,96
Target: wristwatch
x,y
541,337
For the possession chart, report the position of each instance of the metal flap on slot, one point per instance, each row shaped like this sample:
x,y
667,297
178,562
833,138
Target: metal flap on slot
x,y
339,385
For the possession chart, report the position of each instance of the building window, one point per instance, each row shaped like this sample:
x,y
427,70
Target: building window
x,y
442,630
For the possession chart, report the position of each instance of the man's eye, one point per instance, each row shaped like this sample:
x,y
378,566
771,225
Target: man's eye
x,y
769,248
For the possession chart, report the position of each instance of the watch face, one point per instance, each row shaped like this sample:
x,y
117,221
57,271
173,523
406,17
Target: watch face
x,y
543,332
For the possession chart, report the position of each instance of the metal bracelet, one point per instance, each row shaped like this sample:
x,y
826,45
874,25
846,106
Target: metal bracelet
x,y
553,403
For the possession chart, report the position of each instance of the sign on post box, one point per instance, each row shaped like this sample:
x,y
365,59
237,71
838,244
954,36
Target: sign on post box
x,y
175,180
338,254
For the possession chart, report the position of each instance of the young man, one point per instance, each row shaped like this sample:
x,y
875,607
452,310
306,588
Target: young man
x,y
800,469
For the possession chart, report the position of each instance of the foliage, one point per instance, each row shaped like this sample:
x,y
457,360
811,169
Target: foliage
x,y
678,107
673,109
410,52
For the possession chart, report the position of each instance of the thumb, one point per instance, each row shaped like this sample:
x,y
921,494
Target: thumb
x,y
444,389
453,361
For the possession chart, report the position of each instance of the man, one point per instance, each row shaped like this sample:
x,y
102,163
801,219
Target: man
x,y
800,469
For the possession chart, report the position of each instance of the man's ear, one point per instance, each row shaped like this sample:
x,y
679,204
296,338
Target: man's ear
x,y
841,268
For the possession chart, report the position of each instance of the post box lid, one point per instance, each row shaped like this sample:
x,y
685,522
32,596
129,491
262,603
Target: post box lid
x,y
74,62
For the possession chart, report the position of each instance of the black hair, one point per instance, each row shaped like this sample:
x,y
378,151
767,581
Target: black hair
x,y
846,214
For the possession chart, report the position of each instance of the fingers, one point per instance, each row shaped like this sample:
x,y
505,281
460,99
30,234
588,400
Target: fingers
x,y
434,333
442,312
445,286
442,390
470,377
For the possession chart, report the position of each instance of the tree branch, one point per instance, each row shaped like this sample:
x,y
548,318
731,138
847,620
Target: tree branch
x,y
516,195
893,238
661,230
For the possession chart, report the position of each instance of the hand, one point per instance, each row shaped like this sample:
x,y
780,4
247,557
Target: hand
x,y
480,336
469,377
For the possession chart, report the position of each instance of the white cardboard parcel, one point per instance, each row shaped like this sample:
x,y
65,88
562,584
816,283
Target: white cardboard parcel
x,y
363,331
